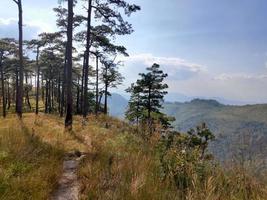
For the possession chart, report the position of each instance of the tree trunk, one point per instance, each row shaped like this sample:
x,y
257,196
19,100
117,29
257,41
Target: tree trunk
x,y
78,97
58,93
8,96
86,63
52,95
17,87
99,100
63,86
149,111
46,96
38,82
82,87
97,88
68,120
14,91
27,93
106,92
20,88
43,88
138,110
3,88
106,99
49,95
149,104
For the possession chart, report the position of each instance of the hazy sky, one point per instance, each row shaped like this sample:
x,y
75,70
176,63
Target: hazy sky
x,y
209,48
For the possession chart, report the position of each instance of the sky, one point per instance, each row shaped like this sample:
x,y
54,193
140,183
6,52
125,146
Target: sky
x,y
209,48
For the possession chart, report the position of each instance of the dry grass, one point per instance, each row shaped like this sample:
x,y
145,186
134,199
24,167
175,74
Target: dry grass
x,y
29,168
50,129
120,164
31,155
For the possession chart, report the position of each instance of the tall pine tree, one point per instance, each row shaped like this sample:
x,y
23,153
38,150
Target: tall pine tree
x,y
19,97
147,96
68,119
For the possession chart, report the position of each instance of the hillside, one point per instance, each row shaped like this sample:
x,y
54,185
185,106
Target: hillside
x,y
232,125
117,105
118,164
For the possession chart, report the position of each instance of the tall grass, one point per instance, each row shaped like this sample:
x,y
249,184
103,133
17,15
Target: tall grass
x,y
29,168
122,165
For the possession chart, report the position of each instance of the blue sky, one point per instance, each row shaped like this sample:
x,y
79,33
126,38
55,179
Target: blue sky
x,y
209,48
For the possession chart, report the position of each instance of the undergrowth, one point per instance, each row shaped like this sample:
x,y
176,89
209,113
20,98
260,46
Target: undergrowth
x,y
121,163
29,168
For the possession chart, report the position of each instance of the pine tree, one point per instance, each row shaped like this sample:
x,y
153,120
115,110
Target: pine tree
x,y
19,100
135,109
147,96
86,59
35,45
153,89
60,80
68,119
107,11
111,78
6,49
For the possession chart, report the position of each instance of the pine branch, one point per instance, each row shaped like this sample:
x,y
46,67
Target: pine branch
x,y
16,1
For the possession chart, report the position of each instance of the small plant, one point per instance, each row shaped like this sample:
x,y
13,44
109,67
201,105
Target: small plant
x,y
183,157
200,138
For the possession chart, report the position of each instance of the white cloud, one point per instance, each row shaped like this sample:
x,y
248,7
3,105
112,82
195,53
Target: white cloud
x,y
32,28
239,87
226,77
6,21
171,63
176,68
194,79
43,27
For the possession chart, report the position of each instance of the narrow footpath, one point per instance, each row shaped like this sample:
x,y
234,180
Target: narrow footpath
x,y
68,185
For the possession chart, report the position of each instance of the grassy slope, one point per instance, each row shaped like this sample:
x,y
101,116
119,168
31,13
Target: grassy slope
x,y
31,155
122,165
29,168
119,165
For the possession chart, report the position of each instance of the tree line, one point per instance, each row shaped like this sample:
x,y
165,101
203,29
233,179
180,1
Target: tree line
x,y
74,67
71,71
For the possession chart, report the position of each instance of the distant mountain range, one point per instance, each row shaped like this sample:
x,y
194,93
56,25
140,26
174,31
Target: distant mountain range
x,y
117,105
177,97
235,127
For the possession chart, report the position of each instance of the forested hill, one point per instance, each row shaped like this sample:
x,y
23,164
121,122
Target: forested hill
x,y
232,125
221,118
235,127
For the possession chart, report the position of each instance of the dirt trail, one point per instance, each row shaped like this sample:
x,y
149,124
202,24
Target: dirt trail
x,y
68,188
68,185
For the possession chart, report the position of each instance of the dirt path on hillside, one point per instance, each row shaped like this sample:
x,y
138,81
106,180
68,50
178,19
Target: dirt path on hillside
x,y
68,185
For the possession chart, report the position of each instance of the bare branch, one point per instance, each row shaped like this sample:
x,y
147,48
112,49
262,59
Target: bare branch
x,y
16,1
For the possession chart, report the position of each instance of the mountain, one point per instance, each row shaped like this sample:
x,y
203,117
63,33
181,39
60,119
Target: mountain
x,y
237,128
178,97
117,105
